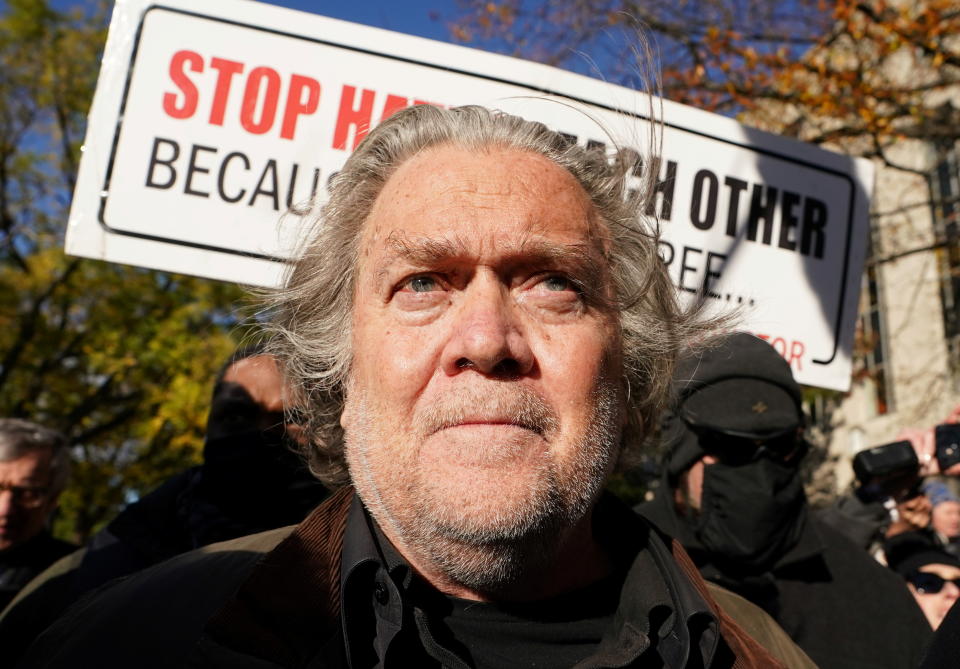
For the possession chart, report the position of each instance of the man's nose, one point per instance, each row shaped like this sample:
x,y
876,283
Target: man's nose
x,y
487,334
6,502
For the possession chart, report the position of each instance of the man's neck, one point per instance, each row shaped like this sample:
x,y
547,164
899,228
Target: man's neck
x,y
576,560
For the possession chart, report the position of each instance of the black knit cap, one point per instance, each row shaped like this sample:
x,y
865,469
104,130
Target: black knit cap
x,y
908,551
739,386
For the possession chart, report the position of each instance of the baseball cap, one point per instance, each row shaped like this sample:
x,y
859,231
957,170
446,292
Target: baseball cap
x,y
738,385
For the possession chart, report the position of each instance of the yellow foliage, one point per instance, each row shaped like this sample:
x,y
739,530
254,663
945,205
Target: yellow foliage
x,y
119,358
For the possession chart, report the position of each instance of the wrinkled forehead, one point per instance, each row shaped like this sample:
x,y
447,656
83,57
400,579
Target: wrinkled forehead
x,y
30,465
446,192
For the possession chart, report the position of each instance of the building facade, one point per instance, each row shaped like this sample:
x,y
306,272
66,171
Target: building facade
x,y
907,371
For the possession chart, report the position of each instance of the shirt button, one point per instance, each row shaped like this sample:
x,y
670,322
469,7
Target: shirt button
x,y
380,593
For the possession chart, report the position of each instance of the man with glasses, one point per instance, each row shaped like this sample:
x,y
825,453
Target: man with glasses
x,y
732,495
34,466
932,574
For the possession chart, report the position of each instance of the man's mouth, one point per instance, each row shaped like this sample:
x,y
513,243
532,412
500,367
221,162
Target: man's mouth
x,y
491,407
486,421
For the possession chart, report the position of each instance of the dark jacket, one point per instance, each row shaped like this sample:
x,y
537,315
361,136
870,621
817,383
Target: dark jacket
x,y
237,605
840,606
181,515
945,647
18,565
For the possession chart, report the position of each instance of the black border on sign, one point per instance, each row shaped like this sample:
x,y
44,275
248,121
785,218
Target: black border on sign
x,y
105,192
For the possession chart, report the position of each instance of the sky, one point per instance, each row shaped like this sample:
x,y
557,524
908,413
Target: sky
x,y
424,18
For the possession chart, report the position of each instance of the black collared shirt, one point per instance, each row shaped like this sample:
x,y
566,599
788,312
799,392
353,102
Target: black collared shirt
x,y
391,617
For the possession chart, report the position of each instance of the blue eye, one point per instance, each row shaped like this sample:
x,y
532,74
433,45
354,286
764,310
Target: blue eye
x,y
422,284
558,283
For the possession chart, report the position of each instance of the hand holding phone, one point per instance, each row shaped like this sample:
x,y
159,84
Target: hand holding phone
x,y
947,448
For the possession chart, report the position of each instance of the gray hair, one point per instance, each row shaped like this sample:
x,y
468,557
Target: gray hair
x,y
311,325
20,437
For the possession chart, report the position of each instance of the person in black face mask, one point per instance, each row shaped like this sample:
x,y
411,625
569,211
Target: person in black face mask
x,y
251,480
732,495
250,445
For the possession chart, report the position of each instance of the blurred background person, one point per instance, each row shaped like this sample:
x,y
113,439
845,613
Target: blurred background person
x,y
945,516
901,487
733,496
252,479
34,468
932,575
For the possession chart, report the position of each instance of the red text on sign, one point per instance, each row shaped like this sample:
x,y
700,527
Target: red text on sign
x,y
791,350
356,115
262,93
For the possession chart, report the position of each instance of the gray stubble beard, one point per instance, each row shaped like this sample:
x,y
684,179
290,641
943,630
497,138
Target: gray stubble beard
x,y
496,558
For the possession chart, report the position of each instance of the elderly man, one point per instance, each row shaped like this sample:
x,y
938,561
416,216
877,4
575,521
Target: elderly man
x,y
478,328
34,466
732,494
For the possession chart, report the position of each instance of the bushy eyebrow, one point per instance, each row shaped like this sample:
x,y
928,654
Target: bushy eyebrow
x,y
583,262
584,259
419,252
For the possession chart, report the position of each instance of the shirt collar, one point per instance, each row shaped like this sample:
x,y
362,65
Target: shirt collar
x,y
658,607
667,611
373,581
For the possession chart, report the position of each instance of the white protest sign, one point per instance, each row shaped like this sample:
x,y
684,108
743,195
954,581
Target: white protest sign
x,y
209,123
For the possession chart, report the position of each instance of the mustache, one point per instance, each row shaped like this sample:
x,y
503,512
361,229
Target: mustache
x,y
516,405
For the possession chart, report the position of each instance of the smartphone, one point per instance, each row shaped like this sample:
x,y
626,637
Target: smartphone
x,y
947,439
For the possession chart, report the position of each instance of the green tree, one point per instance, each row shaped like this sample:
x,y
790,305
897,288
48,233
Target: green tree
x,y
119,358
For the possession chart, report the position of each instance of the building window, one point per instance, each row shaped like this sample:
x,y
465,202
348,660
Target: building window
x,y
871,342
945,199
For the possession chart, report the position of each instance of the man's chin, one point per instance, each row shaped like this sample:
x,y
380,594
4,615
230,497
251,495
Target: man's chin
x,y
478,449
6,541
489,507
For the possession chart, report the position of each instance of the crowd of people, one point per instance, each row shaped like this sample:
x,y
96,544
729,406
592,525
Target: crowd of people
x,y
477,332
248,446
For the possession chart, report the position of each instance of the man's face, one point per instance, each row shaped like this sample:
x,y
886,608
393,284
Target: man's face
x,y
936,605
946,519
23,515
484,401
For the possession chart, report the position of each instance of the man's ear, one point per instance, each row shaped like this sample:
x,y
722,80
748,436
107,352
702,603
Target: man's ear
x,y
347,414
